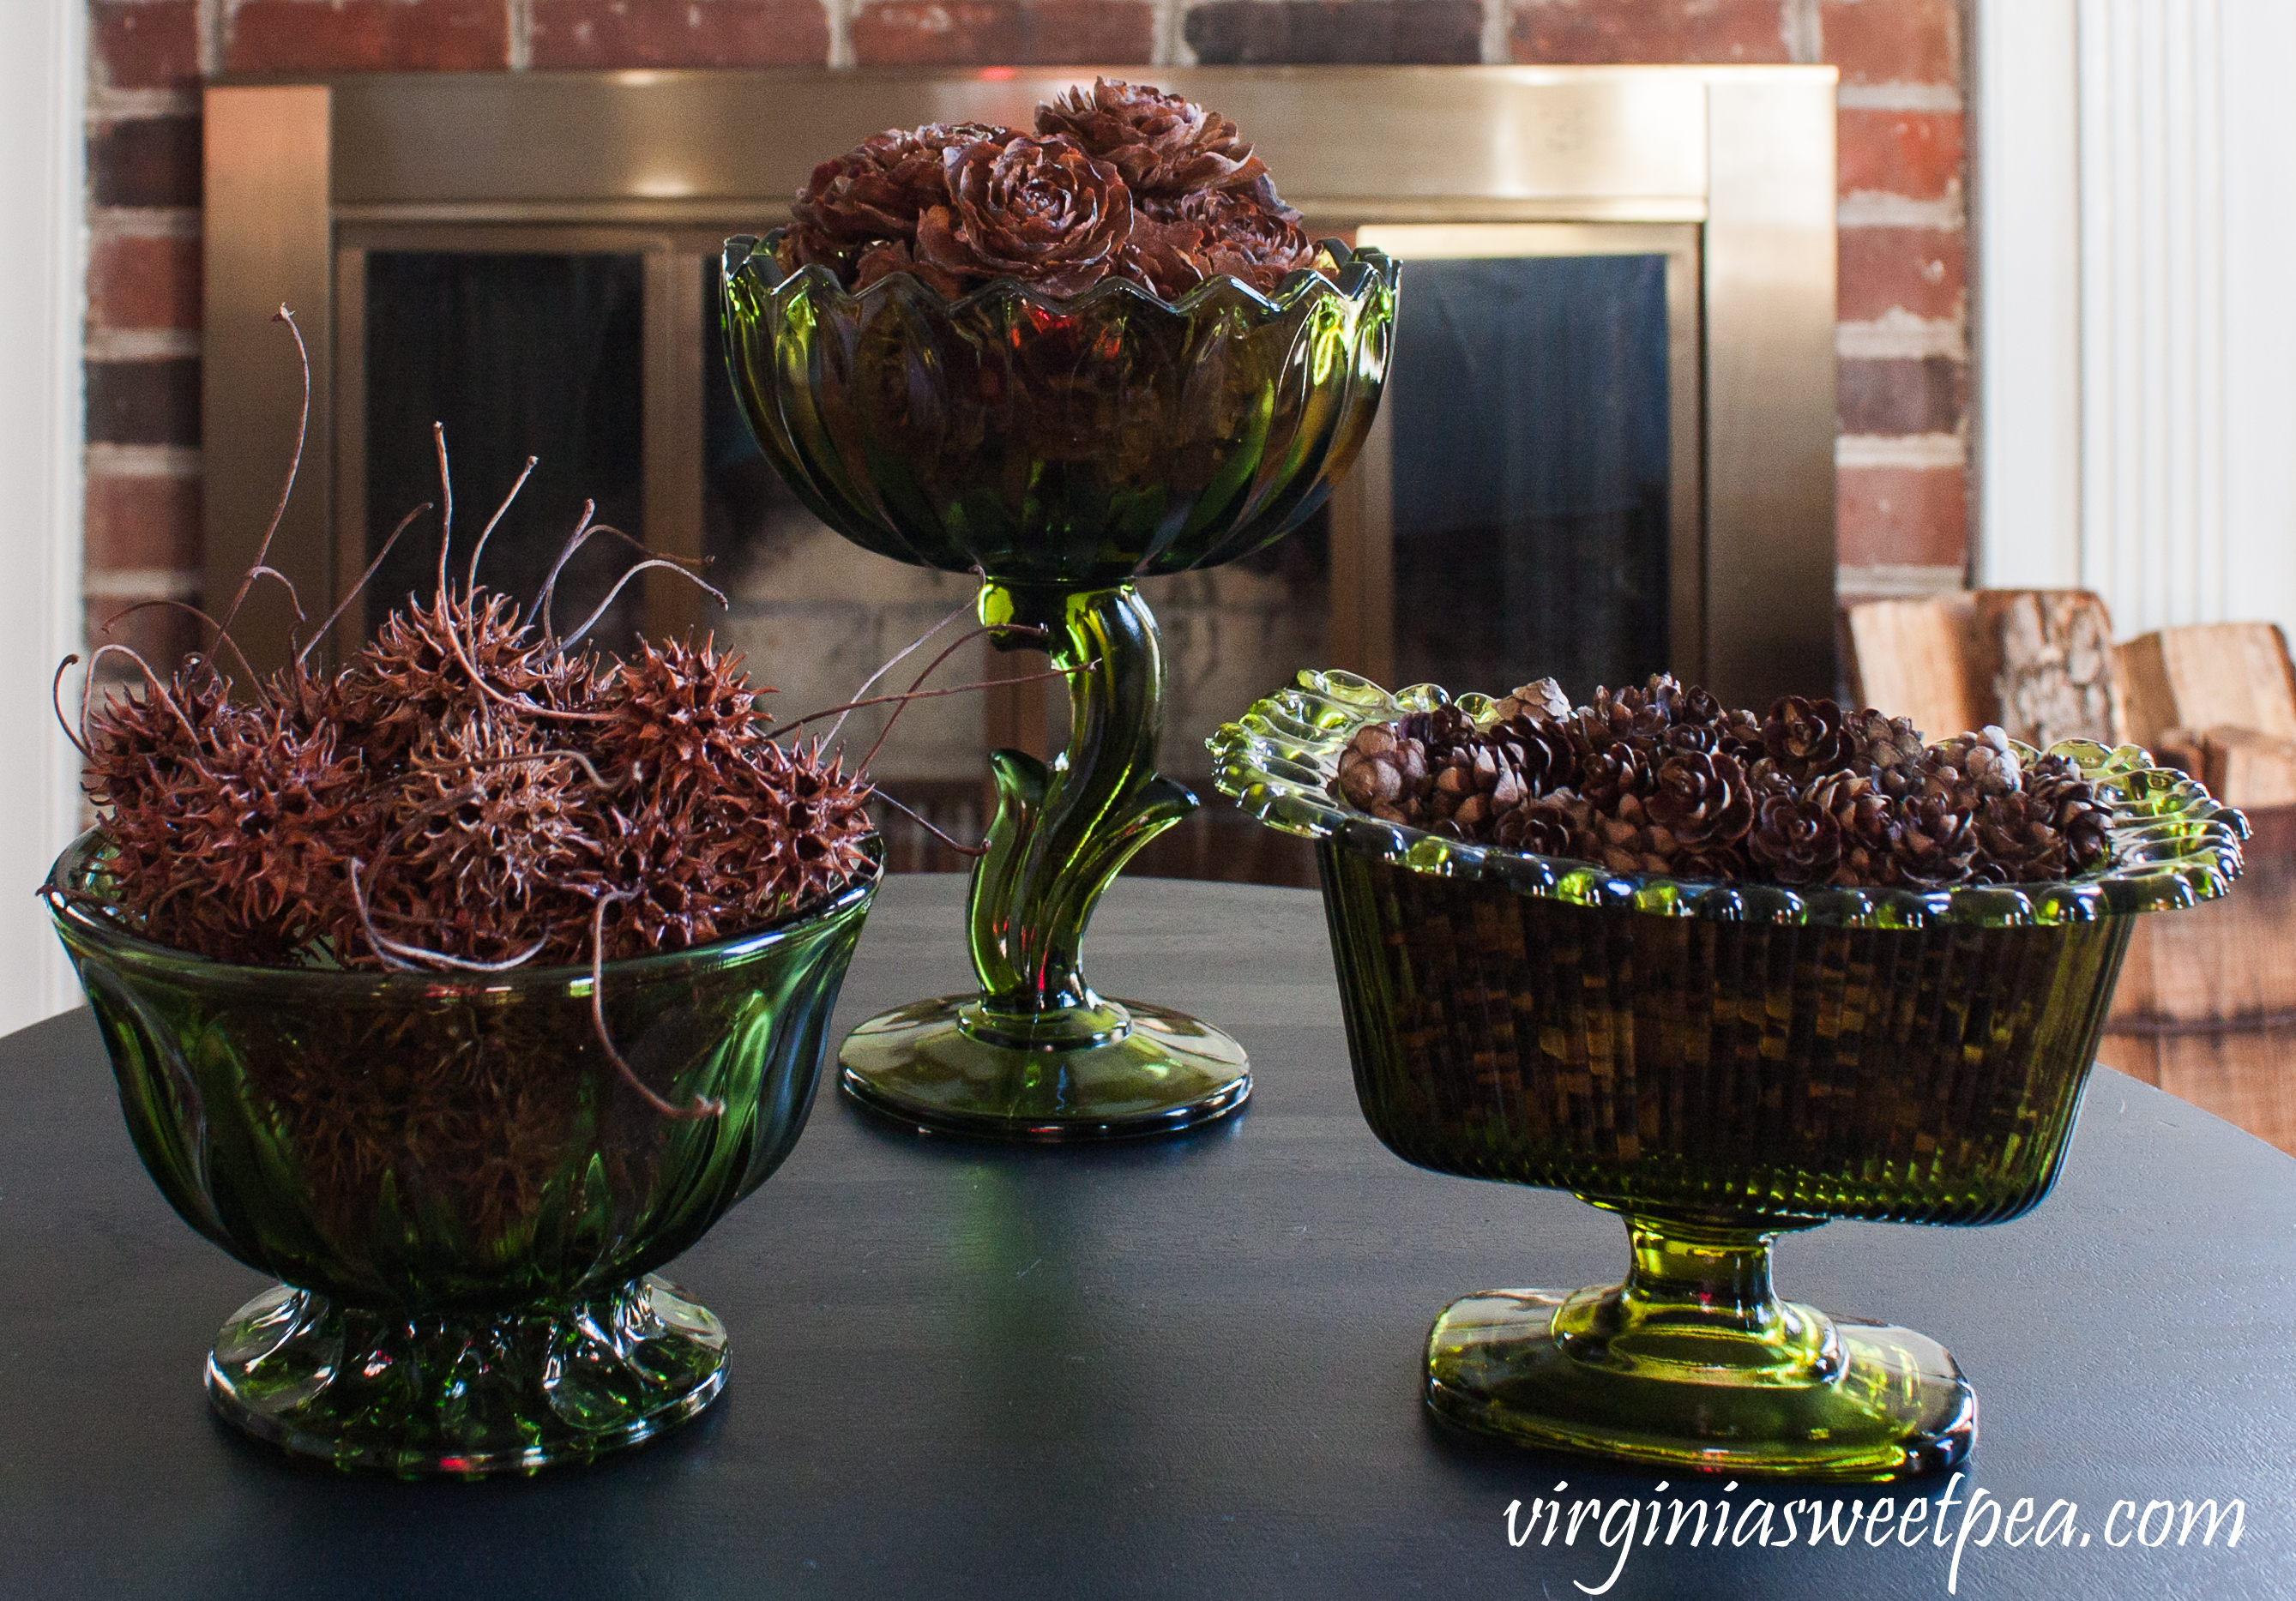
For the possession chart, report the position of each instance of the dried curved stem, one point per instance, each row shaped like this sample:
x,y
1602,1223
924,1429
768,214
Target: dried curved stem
x,y
898,656
702,1106
623,583
88,688
294,463
400,957
918,683
222,638
961,688
263,569
479,763
56,700
961,850
488,531
365,578
574,541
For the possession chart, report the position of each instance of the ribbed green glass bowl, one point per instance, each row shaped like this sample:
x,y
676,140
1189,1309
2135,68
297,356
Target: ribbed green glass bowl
x,y
1720,1064
1080,442
463,1198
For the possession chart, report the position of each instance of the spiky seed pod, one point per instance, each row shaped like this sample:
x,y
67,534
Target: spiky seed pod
x,y
483,823
411,676
1795,840
232,852
667,877
683,718
825,823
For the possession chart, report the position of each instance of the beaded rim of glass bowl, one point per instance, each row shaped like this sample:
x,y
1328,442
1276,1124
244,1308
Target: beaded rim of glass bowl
x,y
2174,844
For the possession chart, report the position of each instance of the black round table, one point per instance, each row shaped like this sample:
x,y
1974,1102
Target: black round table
x,y
1175,1368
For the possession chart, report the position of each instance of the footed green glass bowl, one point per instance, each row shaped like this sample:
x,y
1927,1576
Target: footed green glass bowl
x,y
1061,448
462,1197
1720,1064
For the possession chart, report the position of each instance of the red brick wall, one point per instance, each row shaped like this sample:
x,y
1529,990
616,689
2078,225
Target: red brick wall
x,y
1904,374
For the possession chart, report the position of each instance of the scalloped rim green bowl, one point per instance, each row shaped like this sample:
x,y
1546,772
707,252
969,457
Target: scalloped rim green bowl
x,y
2173,844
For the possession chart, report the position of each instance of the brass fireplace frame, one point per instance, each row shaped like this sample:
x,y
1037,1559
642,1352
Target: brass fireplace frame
x,y
1729,171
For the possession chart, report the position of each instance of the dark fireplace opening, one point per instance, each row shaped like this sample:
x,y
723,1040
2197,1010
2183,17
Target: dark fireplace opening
x,y
1530,470
518,355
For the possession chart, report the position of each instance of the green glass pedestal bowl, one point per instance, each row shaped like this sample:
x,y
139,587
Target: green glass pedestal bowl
x,y
463,1198
1061,449
1720,1065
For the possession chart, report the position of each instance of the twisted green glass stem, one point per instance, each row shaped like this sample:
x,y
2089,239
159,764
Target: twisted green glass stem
x,y
1064,829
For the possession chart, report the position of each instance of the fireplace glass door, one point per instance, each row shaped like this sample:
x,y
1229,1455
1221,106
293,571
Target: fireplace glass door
x,y
1530,505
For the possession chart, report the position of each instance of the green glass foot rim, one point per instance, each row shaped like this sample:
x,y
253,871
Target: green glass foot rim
x,y
471,1394
1116,1070
1816,1398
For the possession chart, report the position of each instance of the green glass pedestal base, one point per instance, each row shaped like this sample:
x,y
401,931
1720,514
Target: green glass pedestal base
x,y
1124,1070
470,1394
1811,1397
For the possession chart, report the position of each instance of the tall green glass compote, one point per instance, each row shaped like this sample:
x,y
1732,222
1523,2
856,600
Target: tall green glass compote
x,y
1061,449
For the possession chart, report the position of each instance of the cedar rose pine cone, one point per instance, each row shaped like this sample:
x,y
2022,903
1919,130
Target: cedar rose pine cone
x,y
1162,145
1247,235
1041,209
872,196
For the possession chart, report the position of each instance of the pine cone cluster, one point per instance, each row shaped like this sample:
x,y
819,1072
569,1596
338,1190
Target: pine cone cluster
x,y
1117,181
1665,779
464,791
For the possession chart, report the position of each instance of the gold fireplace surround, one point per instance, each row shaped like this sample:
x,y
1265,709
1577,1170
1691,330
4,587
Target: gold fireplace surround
x,y
1726,171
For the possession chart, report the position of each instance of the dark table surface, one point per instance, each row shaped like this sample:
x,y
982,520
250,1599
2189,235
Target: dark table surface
x,y
1186,1367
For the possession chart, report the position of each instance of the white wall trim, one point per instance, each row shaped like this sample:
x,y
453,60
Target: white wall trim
x,y
43,288
2136,425
2027,177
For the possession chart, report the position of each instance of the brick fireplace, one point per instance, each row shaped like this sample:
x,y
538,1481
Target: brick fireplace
x,y
1901,339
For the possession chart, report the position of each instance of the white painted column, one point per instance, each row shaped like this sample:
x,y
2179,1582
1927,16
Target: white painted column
x,y
43,274
2135,335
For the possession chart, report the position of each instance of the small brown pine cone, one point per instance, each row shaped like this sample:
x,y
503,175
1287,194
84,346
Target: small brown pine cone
x,y
1887,749
1936,842
1983,762
1543,699
1622,769
1703,800
1806,738
1794,840
1382,768
1556,825
2063,794
1544,750
2018,843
